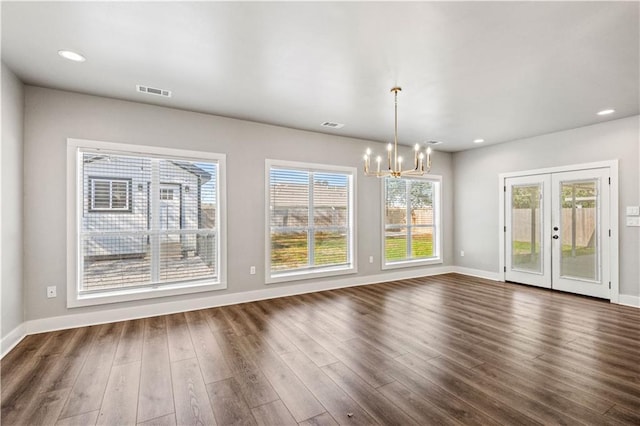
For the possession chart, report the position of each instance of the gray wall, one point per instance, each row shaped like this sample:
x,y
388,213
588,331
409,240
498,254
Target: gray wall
x,y
476,209
53,116
11,202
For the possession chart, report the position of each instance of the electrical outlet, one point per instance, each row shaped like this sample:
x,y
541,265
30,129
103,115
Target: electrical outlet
x,y
51,291
633,221
461,253
252,270
633,211
370,259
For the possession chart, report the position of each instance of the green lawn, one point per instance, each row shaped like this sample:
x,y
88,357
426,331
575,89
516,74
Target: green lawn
x,y
396,247
290,250
524,247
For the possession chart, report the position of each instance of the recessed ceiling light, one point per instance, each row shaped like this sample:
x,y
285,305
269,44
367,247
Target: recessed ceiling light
x,y
72,56
478,140
606,111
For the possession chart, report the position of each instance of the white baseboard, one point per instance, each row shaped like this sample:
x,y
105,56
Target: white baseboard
x,y
629,300
494,276
623,299
165,308
9,341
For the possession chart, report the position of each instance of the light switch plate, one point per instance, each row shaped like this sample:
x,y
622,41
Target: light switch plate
x,y
633,221
633,210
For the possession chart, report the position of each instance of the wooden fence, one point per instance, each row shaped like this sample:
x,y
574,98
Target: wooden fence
x,y
585,225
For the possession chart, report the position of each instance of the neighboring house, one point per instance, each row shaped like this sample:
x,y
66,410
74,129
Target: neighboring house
x,y
117,205
290,204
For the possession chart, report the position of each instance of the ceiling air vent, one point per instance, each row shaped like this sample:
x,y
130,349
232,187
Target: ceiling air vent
x,y
332,125
153,91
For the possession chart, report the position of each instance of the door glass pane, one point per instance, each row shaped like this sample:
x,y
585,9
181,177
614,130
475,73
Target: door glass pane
x,y
579,229
526,227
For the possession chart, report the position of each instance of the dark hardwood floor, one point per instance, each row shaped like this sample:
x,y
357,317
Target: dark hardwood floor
x,y
448,349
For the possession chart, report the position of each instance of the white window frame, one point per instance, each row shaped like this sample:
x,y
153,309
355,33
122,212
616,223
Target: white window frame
x,y
437,224
74,219
110,209
318,272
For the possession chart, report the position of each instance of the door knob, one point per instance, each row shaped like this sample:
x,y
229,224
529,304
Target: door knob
x,y
555,237
555,228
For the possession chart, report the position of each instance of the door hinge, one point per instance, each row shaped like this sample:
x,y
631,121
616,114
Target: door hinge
x,y
609,181
505,188
505,229
609,232
505,269
609,285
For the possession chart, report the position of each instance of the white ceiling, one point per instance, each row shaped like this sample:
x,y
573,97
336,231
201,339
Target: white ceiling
x,y
493,70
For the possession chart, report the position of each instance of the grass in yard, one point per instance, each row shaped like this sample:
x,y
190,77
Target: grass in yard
x,y
396,247
524,247
290,251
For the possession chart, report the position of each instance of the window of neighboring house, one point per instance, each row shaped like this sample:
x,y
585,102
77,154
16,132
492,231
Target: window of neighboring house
x,y
166,194
107,194
172,239
310,220
412,225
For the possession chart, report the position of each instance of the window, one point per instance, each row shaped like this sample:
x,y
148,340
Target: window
x,y
111,194
147,222
310,220
166,194
411,222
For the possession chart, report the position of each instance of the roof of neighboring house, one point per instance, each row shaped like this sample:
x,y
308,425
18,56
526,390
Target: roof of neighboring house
x,y
191,168
293,195
185,165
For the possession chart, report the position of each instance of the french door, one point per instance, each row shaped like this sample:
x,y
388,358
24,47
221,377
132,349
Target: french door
x,y
557,231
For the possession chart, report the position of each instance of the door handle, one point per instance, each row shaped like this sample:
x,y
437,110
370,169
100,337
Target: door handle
x,y
555,228
555,237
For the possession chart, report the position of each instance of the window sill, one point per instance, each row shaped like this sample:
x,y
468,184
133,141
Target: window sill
x,y
310,274
142,293
412,263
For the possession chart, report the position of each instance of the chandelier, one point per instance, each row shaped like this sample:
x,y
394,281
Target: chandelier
x,y
394,162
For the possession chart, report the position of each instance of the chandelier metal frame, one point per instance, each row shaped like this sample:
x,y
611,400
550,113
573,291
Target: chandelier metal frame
x,y
394,168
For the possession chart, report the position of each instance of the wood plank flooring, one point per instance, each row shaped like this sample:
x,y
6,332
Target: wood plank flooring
x,y
448,349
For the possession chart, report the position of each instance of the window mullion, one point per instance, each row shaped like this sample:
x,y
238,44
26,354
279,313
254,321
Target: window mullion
x,y
110,195
155,220
408,213
311,237
92,192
